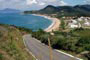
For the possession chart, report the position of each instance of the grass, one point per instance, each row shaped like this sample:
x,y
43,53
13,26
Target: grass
x,y
11,44
1,56
83,33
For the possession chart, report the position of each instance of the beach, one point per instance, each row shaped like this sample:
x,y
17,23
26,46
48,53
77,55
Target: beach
x,y
55,23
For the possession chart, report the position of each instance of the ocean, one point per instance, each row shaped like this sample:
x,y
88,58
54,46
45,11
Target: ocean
x,y
26,21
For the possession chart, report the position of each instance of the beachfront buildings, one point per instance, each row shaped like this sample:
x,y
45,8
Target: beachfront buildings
x,y
79,22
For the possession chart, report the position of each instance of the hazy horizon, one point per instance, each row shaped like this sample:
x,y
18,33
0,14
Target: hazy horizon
x,y
37,9
38,4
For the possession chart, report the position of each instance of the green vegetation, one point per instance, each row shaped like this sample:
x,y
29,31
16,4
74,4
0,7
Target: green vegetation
x,y
76,41
68,11
1,56
41,35
62,25
11,44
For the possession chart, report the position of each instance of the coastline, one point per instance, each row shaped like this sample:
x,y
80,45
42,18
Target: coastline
x,y
55,23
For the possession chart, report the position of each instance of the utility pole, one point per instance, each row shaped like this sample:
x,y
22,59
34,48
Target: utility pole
x,y
50,49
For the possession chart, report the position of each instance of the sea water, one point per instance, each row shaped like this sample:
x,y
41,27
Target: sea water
x,y
24,20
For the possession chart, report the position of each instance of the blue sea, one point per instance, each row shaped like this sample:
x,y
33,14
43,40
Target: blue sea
x,y
27,21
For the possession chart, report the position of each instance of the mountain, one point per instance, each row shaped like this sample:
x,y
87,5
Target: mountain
x,y
53,9
9,10
78,10
50,9
83,7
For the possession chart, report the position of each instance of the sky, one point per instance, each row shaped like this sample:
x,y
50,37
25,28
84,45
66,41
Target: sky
x,y
38,4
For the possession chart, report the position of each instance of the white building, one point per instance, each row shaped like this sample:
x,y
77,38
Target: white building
x,y
74,21
73,25
79,19
87,23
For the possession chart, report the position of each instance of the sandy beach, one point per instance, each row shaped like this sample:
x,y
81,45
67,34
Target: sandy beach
x,y
55,23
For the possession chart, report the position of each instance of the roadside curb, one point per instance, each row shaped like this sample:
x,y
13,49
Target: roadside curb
x,y
67,54
28,49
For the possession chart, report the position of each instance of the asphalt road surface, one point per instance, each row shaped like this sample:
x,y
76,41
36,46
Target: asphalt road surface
x,y
41,51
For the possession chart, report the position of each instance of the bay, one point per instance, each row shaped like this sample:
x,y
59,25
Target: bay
x,y
27,21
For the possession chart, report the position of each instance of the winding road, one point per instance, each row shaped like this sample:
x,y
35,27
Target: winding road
x,y
41,51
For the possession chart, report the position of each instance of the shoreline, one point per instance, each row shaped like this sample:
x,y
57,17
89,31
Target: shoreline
x,y
54,25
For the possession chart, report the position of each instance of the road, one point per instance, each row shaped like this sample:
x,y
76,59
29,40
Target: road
x,y
41,51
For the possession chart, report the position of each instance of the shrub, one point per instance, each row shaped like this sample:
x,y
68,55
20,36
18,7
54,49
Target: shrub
x,y
1,56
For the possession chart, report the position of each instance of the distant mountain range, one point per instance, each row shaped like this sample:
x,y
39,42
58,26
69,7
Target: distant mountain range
x,y
78,10
9,10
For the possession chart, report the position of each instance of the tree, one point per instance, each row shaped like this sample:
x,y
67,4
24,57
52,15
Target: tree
x,y
62,24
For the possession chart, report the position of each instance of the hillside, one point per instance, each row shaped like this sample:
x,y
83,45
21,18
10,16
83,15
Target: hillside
x,y
75,42
78,10
11,44
9,10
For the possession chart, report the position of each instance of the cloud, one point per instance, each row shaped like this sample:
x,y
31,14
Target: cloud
x,y
30,4
42,3
86,1
36,2
62,3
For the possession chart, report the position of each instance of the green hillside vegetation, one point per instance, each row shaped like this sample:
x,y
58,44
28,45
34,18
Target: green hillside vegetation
x,y
11,44
68,11
75,41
